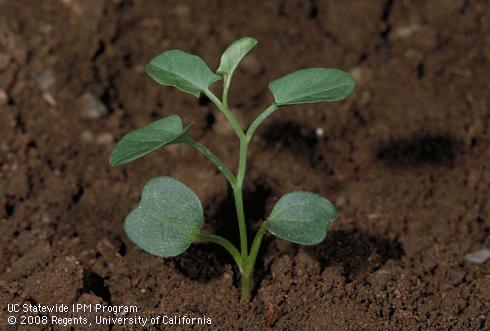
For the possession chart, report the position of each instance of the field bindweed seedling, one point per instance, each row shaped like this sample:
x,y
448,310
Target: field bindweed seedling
x,y
169,216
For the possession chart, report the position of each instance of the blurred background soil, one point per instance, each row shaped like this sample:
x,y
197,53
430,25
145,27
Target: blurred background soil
x,y
405,159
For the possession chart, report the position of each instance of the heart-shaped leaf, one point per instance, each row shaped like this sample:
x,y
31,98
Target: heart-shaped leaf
x,y
301,217
167,219
312,85
234,54
187,72
165,131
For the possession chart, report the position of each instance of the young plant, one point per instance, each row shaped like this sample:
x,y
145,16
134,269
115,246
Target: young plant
x,y
169,216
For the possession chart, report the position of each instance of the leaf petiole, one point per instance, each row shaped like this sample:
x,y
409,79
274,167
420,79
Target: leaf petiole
x,y
225,244
249,265
261,118
212,157
223,107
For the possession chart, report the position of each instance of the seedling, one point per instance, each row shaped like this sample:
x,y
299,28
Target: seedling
x,y
169,216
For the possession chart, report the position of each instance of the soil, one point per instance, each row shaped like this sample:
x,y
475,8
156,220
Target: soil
x,y
405,160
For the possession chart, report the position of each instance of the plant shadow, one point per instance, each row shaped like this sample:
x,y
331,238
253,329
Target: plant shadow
x,y
439,150
288,135
206,261
355,251
202,262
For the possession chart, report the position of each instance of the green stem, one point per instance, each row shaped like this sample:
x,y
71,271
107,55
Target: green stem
x,y
237,188
245,261
237,192
242,163
262,117
226,87
250,263
213,158
245,290
254,251
225,244
228,114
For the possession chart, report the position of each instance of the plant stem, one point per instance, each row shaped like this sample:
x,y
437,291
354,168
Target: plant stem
x,y
213,158
237,188
225,244
238,195
254,251
242,227
245,261
226,87
242,163
245,290
228,114
250,263
262,117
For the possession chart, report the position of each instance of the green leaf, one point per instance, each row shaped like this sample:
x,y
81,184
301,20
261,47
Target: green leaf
x,y
187,72
164,132
234,54
301,217
312,85
167,219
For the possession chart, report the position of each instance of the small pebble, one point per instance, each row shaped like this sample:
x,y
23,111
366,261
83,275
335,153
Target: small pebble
x,y
46,29
182,10
340,201
49,99
87,136
73,5
45,80
478,257
139,68
45,219
356,73
91,107
105,139
319,132
405,31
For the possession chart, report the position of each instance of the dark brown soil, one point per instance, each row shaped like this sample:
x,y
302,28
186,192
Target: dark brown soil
x,y
406,160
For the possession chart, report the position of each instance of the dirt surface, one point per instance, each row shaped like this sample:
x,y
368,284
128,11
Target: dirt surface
x,y
405,159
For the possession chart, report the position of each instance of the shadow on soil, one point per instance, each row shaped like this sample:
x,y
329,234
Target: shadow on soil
x,y
94,283
419,150
355,251
204,262
291,136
